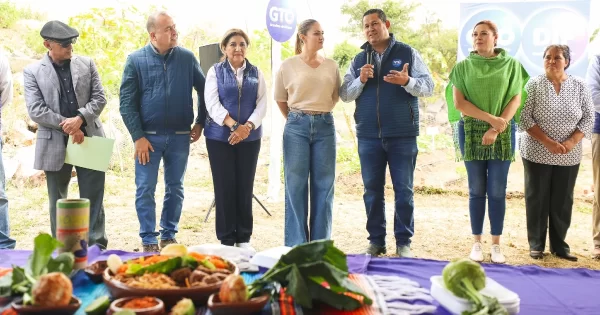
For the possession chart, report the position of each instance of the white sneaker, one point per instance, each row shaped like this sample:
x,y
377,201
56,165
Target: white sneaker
x,y
476,252
246,246
497,256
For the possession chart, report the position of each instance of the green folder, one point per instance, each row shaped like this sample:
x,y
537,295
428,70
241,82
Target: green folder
x,y
94,153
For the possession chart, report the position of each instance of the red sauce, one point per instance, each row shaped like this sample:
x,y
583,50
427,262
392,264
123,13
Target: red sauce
x,y
138,303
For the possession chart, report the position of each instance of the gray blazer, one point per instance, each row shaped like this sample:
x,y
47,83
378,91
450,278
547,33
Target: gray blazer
x,y
42,97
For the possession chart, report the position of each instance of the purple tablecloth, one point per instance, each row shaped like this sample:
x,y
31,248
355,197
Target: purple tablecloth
x,y
542,290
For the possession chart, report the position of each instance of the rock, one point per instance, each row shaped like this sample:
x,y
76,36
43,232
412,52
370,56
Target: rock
x,y
25,172
10,168
19,135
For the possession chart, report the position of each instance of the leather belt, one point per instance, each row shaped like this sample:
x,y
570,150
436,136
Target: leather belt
x,y
309,112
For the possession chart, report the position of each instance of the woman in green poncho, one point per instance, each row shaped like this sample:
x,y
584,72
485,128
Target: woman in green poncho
x,y
482,107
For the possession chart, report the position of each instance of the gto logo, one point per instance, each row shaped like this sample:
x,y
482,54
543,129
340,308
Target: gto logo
x,y
281,19
282,15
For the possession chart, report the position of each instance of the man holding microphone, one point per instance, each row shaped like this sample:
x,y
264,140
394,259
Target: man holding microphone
x,y
385,80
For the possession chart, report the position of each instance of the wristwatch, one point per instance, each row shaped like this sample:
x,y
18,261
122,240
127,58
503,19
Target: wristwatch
x,y
234,127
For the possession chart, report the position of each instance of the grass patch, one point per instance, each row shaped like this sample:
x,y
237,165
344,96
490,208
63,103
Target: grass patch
x,y
584,208
427,143
34,42
347,161
431,190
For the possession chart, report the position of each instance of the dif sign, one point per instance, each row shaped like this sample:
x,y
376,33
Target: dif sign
x,y
527,28
281,19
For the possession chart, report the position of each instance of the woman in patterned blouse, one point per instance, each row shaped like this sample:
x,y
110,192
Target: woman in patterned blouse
x,y
557,115
482,103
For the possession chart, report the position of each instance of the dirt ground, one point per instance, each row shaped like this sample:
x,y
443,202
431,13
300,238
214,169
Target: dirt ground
x,y
442,229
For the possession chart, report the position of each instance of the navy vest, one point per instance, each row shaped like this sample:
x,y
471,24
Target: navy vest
x,y
239,102
384,109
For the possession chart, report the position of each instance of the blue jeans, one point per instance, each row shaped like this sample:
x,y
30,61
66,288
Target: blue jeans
x,y
375,154
486,178
308,154
174,149
5,241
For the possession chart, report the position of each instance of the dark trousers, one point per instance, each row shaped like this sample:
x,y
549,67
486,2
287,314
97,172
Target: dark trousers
x,y
233,168
549,198
91,186
400,154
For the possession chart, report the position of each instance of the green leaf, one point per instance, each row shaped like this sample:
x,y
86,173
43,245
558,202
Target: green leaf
x,y
20,282
332,298
338,283
5,285
208,264
133,269
43,246
315,251
164,267
292,279
62,263
304,269
189,261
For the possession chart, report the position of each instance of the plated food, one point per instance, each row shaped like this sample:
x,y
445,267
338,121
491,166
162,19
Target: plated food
x,y
166,272
42,286
168,277
233,298
146,305
68,309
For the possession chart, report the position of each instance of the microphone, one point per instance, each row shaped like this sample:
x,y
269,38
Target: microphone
x,y
369,51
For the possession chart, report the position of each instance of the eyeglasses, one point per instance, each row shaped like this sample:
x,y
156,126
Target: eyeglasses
x,y
65,43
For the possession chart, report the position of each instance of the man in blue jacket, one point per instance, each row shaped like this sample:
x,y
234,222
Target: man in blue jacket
x,y
385,81
156,106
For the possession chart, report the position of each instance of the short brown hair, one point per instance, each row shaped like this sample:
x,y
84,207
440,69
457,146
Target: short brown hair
x,y
489,24
564,49
228,35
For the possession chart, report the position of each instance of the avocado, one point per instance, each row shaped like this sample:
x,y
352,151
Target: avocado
x,y
184,307
99,306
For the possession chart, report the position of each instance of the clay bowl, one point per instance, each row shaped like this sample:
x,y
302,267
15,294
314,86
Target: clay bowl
x,y
57,310
199,295
158,309
95,271
252,306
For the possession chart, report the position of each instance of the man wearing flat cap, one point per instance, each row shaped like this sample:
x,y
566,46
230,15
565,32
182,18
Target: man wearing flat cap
x,y
64,96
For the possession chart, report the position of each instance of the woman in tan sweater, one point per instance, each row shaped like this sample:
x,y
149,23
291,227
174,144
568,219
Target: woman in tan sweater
x,y
306,91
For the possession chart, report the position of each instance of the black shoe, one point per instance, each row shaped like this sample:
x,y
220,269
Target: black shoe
x,y
536,254
375,250
151,248
166,242
568,257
